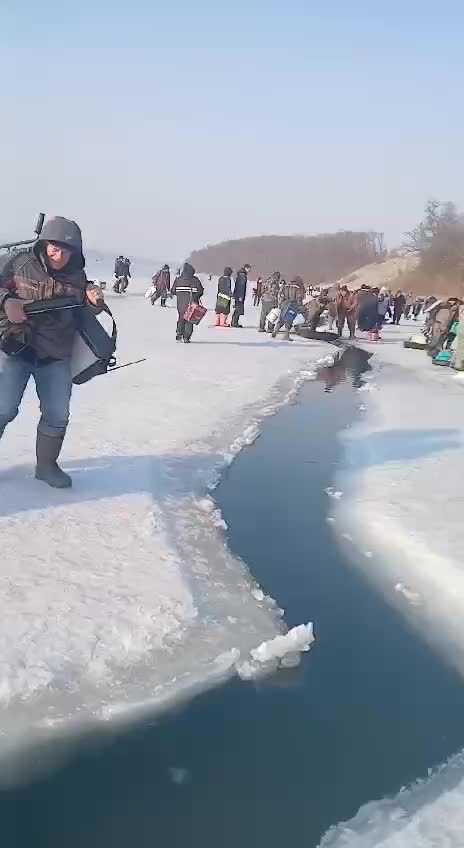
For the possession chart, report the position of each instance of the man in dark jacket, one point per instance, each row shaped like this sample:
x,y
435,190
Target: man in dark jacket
x,y
368,312
240,290
162,284
119,273
188,289
40,345
126,275
399,302
269,298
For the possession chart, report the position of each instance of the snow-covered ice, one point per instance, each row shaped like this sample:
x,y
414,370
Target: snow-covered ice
x,y
428,815
122,591
404,490
403,497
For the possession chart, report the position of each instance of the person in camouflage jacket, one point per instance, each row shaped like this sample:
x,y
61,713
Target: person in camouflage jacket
x,y
269,298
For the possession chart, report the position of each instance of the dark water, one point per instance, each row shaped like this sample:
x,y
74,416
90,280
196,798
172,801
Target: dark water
x,y
370,708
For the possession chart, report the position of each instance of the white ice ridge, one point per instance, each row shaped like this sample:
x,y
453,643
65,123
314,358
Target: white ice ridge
x,y
428,815
282,650
298,639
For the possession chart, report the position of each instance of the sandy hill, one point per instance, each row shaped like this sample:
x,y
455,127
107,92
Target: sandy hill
x,y
388,273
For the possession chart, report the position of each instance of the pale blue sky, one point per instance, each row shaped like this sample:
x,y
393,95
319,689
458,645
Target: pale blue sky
x,y
161,127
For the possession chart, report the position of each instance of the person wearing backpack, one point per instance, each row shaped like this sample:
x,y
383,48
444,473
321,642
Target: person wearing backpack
x,y
187,289
40,345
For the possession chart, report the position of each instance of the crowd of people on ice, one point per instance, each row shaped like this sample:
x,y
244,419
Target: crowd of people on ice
x,y
284,305
47,305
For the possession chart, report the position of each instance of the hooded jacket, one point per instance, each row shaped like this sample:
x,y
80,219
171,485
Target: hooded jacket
x,y
187,288
224,292
368,316
162,279
27,276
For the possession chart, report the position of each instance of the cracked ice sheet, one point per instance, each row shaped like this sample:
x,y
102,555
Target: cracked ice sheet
x,y
403,491
122,591
403,495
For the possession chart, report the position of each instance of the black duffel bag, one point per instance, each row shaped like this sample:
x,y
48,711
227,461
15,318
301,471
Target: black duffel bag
x,y
94,347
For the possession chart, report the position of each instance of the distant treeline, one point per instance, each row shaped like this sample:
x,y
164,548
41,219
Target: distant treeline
x,y
318,259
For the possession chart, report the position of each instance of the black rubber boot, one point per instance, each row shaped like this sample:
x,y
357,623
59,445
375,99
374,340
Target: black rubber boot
x,y
47,469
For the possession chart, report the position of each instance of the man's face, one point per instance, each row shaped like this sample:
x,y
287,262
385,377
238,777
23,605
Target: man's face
x,y
57,255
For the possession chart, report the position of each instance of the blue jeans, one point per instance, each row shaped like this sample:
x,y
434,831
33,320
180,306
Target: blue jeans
x,y
53,384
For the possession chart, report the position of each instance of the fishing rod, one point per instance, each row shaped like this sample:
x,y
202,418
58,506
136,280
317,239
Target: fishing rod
x,y
12,245
126,365
54,303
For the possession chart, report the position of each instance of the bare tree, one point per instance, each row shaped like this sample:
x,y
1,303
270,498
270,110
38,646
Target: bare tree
x,y
438,242
420,238
377,244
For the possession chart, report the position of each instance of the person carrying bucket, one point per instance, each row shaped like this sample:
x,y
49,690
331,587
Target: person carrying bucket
x,y
291,302
187,289
269,298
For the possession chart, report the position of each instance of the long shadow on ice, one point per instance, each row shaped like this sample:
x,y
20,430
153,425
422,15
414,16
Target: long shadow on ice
x,y
402,445
275,343
102,477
